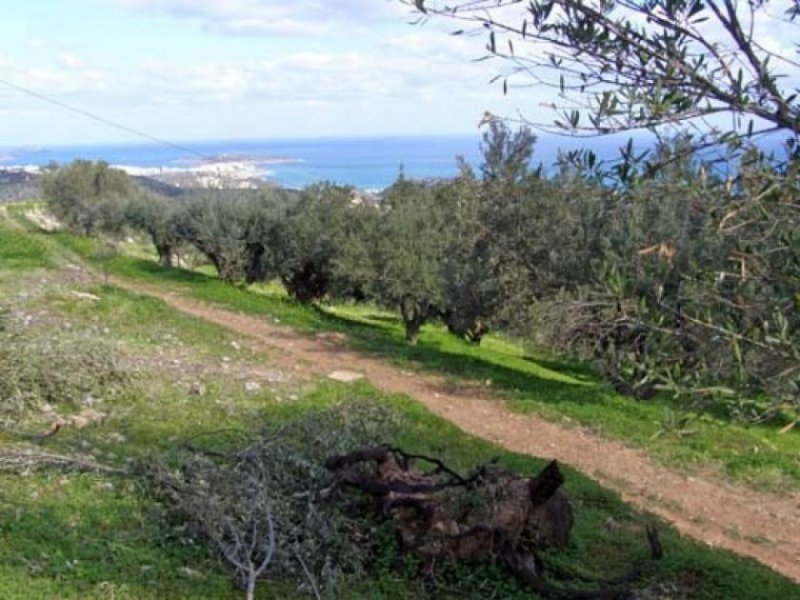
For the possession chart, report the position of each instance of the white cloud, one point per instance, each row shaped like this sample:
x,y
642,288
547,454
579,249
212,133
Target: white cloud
x,y
297,17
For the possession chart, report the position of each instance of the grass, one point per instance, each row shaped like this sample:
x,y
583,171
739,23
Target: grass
x,y
20,251
97,536
530,380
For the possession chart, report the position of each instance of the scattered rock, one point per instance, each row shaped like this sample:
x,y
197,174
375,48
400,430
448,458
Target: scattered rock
x,y
333,337
85,296
197,389
190,573
275,376
117,438
85,418
235,345
252,387
345,376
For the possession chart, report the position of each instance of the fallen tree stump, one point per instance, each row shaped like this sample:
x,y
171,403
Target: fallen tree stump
x,y
491,514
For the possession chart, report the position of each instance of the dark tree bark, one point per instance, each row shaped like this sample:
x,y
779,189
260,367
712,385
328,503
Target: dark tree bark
x,y
491,514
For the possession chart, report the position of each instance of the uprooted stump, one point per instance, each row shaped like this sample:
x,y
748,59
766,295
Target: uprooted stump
x,y
490,514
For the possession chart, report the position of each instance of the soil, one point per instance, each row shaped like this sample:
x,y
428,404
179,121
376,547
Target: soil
x,y
760,525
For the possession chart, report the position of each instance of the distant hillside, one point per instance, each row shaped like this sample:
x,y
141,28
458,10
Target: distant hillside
x,y
18,185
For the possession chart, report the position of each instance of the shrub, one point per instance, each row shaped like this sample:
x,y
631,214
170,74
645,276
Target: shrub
x,y
37,368
262,503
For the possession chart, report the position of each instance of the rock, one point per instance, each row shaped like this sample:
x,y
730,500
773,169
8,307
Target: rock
x,y
235,345
345,376
275,376
333,337
86,417
197,389
251,387
190,573
85,296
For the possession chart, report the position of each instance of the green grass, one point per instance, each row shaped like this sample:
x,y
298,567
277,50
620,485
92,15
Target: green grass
x,y
20,251
97,536
530,380
76,536
144,323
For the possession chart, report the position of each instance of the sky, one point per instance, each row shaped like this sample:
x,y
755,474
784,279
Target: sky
x,y
184,70
229,69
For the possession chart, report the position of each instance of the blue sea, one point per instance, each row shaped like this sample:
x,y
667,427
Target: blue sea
x,y
370,163
365,162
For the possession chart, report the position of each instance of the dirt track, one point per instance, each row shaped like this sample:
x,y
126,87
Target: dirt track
x,y
763,526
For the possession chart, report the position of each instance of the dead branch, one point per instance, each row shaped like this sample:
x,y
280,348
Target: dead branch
x,y
491,514
16,461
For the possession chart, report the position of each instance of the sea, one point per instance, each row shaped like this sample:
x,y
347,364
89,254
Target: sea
x,y
369,163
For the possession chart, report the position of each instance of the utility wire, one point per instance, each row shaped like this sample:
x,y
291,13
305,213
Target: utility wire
x,y
103,120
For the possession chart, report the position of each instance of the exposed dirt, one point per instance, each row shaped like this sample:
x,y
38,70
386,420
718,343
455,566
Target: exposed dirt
x,y
760,525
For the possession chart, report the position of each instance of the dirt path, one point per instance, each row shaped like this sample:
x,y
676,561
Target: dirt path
x,y
763,526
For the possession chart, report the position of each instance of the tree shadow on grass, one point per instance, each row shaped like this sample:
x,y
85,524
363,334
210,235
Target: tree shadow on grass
x,y
382,336
573,368
388,343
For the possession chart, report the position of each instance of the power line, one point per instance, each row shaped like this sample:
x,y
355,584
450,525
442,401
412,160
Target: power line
x,y
103,120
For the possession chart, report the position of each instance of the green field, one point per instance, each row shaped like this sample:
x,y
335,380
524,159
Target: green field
x,y
530,379
71,535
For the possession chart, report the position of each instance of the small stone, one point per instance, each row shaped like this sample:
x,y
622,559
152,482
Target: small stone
x,y
189,573
333,337
86,417
235,345
197,389
275,376
85,296
252,387
345,376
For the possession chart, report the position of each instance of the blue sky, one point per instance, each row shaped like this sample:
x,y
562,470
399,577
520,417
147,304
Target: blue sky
x,y
216,69
230,69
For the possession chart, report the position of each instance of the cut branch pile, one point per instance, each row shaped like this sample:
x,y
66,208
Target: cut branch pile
x,y
491,514
21,460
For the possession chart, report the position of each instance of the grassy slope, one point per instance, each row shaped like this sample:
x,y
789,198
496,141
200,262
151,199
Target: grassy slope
x,y
91,536
531,380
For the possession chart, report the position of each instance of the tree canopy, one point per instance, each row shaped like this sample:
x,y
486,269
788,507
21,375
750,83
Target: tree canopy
x,y
620,65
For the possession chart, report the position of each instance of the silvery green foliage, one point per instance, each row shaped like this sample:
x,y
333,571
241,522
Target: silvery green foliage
x,y
227,488
38,368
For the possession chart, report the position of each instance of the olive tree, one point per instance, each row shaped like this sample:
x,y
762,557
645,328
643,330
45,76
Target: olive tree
x,y
311,239
468,291
408,250
157,217
86,196
619,65
215,223
696,265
